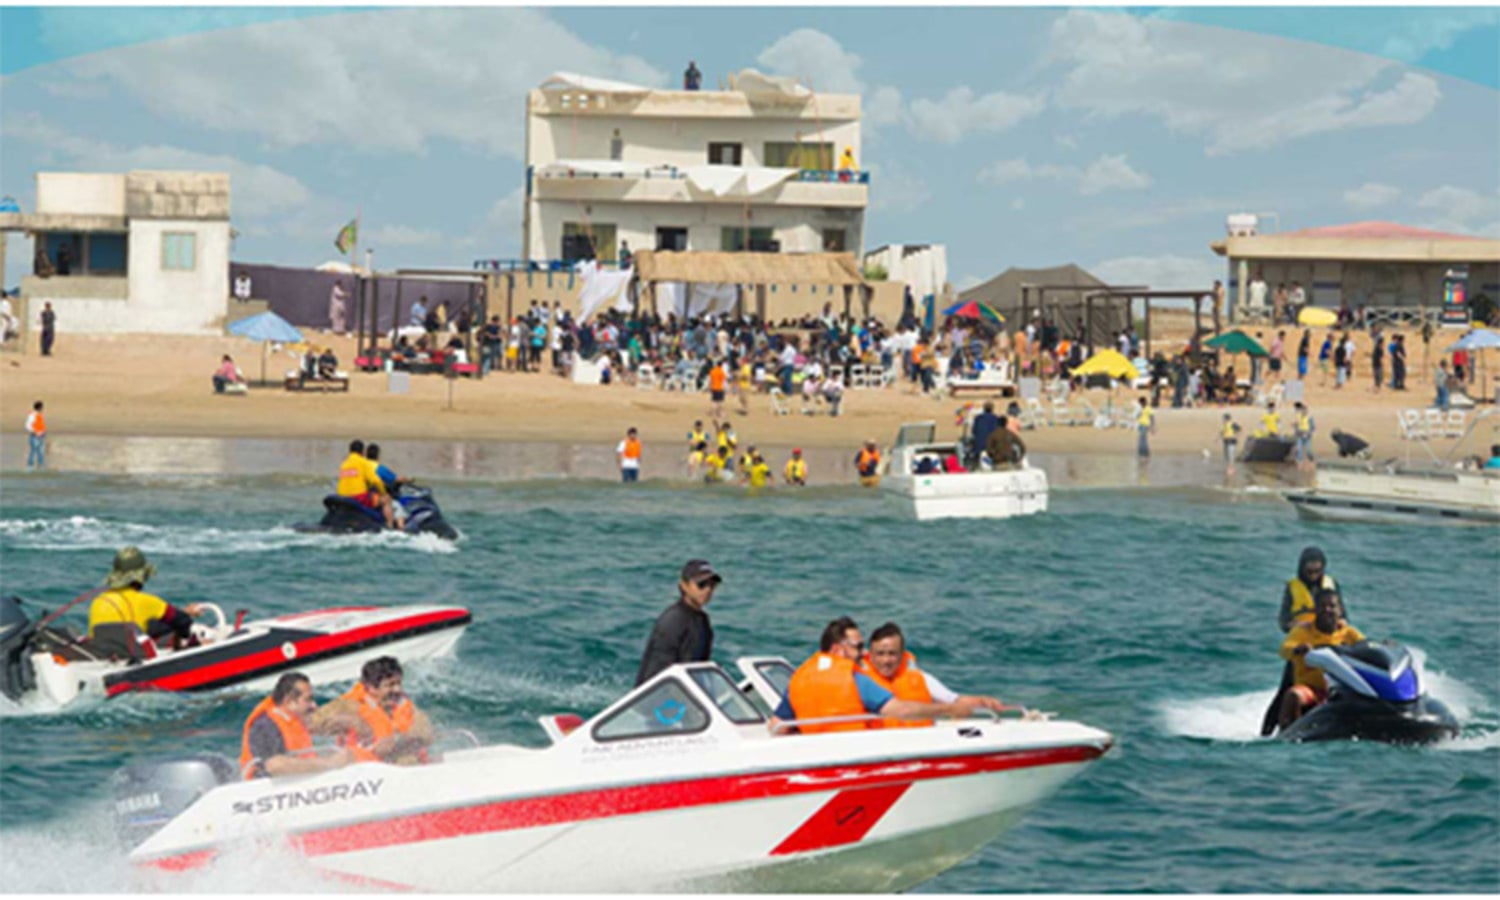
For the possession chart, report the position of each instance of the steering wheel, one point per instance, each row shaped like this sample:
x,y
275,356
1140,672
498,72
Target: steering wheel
x,y
221,627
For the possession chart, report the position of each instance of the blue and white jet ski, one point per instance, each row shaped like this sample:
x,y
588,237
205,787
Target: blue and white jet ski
x,y
1375,693
343,515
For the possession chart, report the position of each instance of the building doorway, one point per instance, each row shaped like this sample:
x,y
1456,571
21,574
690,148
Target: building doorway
x,y
671,239
725,154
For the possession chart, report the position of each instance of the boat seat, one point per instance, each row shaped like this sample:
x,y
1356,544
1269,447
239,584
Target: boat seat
x,y
560,725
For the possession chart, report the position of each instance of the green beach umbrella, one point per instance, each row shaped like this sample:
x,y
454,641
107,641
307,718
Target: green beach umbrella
x,y
1236,342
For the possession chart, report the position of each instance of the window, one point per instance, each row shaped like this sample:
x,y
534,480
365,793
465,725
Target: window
x,y
778,674
761,240
726,696
588,241
725,154
85,253
107,253
179,250
666,709
671,238
789,155
833,240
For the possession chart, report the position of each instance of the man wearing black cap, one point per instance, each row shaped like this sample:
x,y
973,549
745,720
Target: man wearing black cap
x,y
682,633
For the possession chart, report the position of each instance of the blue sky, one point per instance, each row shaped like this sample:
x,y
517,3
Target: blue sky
x,y
1016,136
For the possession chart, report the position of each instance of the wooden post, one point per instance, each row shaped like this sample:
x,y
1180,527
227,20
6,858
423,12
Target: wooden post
x,y
760,300
510,299
1197,316
848,294
1146,304
1025,295
1088,326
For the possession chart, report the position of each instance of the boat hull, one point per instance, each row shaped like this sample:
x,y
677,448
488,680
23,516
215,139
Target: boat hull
x,y
972,495
1330,507
1345,492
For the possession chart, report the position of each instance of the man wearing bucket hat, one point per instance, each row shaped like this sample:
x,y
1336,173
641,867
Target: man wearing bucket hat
x,y
124,606
682,632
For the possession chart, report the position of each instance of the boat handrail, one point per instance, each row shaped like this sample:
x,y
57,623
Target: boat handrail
x,y
781,726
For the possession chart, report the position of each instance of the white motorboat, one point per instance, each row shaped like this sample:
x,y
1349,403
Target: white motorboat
x,y
1392,492
677,786
44,667
916,475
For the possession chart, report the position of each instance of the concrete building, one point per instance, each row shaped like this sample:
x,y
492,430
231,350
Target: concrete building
x,y
760,166
1395,271
139,252
922,267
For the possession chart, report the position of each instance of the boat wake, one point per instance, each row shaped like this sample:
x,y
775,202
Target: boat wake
x,y
89,533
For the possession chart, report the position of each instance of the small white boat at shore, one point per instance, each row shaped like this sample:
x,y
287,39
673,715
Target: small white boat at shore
x,y
916,476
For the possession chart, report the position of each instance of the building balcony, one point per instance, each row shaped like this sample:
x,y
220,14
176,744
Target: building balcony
x,y
846,189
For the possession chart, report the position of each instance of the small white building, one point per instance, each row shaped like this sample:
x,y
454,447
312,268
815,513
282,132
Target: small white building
x,y
142,252
764,166
922,267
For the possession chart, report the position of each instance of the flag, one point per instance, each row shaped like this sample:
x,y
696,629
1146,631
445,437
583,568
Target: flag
x,y
347,236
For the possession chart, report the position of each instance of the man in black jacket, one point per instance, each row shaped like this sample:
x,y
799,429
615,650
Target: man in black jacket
x,y
682,633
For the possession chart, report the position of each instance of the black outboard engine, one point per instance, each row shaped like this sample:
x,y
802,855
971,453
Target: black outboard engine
x,y
17,677
149,795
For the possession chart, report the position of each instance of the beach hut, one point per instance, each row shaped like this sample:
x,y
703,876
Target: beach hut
x,y
268,328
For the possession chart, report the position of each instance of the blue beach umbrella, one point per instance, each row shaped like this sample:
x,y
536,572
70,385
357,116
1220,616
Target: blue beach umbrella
x,y
1478,339
266,327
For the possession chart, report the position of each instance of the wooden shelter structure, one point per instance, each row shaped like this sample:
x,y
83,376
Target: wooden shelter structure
x,y
749,272
1018,293
370,305
1145,295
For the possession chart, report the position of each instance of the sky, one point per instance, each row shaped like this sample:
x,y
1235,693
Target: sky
x,y
1114,138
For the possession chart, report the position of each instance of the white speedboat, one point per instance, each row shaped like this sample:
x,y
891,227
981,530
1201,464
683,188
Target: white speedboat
x,y
1394,492
44,667
677,786
916,475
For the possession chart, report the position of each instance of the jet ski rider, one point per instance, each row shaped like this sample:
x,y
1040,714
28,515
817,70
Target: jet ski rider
x,y
359,481
1328,629
124,606
827,685
390,480
388,727
1297,599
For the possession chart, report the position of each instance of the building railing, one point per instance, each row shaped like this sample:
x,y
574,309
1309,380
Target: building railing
x,y
834,176
672,173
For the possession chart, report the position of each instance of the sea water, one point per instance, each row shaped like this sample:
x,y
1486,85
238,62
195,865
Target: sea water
x,y
1147,612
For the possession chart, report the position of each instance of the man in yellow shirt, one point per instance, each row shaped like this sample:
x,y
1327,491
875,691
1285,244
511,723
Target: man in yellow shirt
x,y
796,469
759,472
1328,629
359,481
123,608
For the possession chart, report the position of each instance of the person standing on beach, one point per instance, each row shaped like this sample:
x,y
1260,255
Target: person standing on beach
x,y
49,328
716,380
629,455
36,434
1304,350
1441,380
1398,363
1325,359
1145,424
1278,353
1303,433
682,632
1229,434
1377,359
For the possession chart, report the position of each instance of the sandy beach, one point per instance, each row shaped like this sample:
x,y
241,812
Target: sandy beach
x,y
138,385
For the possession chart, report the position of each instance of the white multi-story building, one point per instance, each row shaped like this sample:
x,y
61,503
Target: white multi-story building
x,y
134,252
763,166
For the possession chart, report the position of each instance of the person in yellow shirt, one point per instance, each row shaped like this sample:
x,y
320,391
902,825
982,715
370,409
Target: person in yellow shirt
x,y
715,466
1328,629
744,382
1270,422
124,609
796,469
759,473
359,481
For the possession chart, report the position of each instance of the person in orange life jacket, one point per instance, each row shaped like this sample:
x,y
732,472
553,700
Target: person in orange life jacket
x,y
629,455
827,685
867,464
682,632
1328,629
358,481
276,741
375,719
890,666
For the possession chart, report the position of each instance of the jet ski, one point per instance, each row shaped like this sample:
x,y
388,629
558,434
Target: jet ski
x,y
1375,693
685,764
45,666
1267,449
345,516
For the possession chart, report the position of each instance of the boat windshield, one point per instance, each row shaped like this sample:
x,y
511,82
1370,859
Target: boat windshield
x,y
726,696
666,709
916,433
777,673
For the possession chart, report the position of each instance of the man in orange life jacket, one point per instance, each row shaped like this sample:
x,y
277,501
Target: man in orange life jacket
x,y
827,685
889,665
276,741
376,719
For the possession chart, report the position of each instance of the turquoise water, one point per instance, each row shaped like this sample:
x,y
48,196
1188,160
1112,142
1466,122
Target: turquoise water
x,y
1150,613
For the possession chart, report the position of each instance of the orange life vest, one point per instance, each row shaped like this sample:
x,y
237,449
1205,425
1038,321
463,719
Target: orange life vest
x,y
824,686
868,462
908,684
293,734
632,448
41,424
382,725
716,378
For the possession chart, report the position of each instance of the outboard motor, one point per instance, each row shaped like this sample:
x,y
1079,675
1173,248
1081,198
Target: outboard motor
x,y
1375,693
17,676
149,795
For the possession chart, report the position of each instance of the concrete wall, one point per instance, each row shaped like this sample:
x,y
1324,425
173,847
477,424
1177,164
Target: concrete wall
x,y
675,142
1330,282
923,266
798,229
80,194
179,302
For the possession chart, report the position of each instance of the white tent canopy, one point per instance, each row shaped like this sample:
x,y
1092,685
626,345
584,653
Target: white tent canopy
x,y
752,82
574,81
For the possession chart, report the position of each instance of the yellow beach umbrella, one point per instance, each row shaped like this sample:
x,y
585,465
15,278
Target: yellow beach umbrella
x,y
1317,317
1109,362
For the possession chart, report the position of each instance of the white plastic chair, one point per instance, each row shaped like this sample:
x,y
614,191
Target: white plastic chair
x,y
1033,415
778,402
857,375
1454,427
1432,423
645,377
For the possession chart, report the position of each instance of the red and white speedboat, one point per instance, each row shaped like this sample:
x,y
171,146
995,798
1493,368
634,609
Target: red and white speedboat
x,y
678,786
47,669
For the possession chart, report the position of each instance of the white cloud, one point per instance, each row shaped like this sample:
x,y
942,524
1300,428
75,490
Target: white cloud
x,y
1162,273
1370,195
387,80
961,112
894,190
1460,209
1107,173
254,189
1018,204
1239,91
505,214
883,107
403,236
968,281
820,61
1111,173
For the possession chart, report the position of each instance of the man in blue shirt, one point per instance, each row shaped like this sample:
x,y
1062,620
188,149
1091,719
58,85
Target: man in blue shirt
x,y
391,479
979,433
1494,461
418,313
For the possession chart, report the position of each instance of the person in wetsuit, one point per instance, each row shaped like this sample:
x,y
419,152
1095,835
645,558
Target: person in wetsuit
x,y
682,632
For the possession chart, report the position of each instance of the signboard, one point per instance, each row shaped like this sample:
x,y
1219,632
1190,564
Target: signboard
x,y
1456,297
